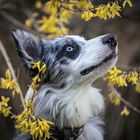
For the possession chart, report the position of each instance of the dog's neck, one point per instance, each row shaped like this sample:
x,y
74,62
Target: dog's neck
x,y
68,108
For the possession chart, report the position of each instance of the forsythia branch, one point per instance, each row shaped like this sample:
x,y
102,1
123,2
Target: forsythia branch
x,y
9,64
115,91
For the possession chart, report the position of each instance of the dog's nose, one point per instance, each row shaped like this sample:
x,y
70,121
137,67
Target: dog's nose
x,y
110,40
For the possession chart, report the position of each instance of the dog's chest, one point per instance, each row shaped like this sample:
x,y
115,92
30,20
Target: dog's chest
x,y
77,109
70,108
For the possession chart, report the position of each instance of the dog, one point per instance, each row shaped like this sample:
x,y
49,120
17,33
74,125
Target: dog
x,y
66,95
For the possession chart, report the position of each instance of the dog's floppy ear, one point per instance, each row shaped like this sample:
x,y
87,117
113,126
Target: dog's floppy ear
x,y
28,46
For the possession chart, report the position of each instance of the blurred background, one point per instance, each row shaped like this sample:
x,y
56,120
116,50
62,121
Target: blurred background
x,y
127,29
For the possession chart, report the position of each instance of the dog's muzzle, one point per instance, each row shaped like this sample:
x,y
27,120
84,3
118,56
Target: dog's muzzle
x,y
111,41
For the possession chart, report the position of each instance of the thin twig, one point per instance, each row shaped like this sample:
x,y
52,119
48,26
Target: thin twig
x,y
129,67
18,23
18,73
9,64
65,2
60,24
123,100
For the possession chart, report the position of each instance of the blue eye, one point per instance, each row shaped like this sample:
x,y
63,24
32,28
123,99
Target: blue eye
x,y
69,49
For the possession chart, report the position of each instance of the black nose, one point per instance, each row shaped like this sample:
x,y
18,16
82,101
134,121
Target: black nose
x,y
110,40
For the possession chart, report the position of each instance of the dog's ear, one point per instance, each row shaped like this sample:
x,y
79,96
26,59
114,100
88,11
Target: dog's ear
x,y
28,46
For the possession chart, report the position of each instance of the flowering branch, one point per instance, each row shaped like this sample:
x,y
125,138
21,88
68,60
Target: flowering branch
x,y
115,91
26,122
9,64
121,79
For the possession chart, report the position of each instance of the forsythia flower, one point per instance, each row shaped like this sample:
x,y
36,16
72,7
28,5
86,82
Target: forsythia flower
x,y
116,77
125,112
127,2
26,122
114,72
41,68
120,81
132,77
87,15
137,88
49,21
9,83
23,119
40,129
108,11
115,99
38,5
115,9
102,12
4,108
53,14
85,4
35,82
29,22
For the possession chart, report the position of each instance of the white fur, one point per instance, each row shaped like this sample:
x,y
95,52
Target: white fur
x,y
80,104
76,107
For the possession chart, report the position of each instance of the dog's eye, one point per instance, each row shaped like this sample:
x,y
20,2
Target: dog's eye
x,y
69,49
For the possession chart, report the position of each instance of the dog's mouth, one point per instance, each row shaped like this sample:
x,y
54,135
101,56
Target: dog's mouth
x,y
91,68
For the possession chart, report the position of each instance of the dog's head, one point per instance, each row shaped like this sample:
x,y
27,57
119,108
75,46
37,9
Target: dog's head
x,y
70,60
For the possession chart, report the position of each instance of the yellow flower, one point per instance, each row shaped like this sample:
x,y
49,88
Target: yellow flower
x,y
4,108
41,67
26,122
23,120
102,12
87,15
35,82
115,9
132,77
137,88
108,11
40,129
8,74
121,81
84,4
9,83
114,98
29,22
127,2
116,77
125,111
38,4
114,72
29,103
49,24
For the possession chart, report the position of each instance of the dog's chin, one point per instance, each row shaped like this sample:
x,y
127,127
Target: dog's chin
x,y
106,64
99,71
105,67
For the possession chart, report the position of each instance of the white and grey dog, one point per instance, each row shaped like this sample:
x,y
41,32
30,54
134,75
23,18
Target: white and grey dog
x,y
66,96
